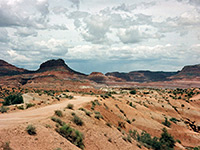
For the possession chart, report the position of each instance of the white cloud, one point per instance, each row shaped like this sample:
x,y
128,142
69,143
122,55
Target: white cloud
x,y
17,57
53,46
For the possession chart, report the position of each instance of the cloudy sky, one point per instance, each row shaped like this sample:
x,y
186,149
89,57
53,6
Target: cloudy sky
x,y
101,35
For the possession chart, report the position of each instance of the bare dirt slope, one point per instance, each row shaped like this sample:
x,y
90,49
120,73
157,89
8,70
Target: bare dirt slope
x,y
12,119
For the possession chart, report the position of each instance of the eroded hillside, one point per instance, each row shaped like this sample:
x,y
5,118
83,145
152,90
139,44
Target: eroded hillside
x,y
114,119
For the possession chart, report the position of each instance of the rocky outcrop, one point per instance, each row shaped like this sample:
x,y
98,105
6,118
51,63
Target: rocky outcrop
x,y
56,65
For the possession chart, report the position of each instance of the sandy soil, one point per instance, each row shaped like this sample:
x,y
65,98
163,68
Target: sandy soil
x,y
11,119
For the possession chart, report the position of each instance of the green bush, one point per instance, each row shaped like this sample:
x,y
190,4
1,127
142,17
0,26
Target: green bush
x,y
58,120
70,106
3,109
31,130
74,136
28,105
58,113
133,92
13,99
166,123
77,120
166,140
98,115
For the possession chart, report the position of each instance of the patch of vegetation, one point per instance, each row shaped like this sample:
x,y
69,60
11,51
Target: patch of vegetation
x,y
131,104
109,124
98,115
166,123
121,124
28,105
70,106
58,113
31,130
196,148
4,109
69,96
58,120
78,121
165,142
174,120
21,107
74,136
13,99
133,92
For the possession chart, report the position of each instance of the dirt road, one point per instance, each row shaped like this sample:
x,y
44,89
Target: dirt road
x,y
10,119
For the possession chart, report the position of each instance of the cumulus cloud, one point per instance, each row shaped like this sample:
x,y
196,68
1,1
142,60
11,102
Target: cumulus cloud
x,y
17,57
131,35
96,28
53,46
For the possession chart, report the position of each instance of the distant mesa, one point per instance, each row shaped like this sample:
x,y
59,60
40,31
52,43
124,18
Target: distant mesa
x,y
56,65
188,72
143,76
59,68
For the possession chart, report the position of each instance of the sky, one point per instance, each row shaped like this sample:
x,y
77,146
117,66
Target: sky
x,y
101,35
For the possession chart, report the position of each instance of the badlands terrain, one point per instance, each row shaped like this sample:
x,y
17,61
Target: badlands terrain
x,y
57,108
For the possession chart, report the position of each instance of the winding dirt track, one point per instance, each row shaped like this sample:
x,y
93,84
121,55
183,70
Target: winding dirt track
x,y
10,119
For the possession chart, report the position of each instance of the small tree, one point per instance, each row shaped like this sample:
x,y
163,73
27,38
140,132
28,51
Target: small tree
x,y
167,140
13,99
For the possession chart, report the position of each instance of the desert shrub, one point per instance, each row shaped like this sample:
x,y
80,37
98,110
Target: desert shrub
x,y
74,136
58,113
127,120
28,105
98,116
166,123
109,140
3,109
13,99
82,109
133,92
108,124
133,134
70,106
73,113
69,96
88,113
174,120
196,148
21,107
121,124
31,130
78,121
58,120
166,140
